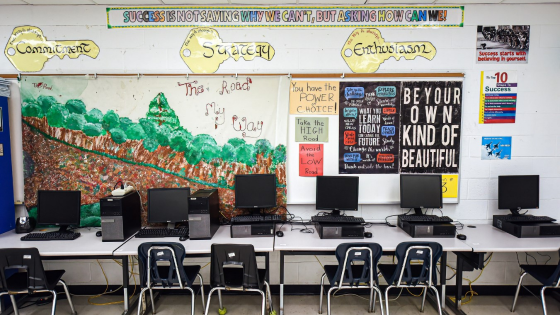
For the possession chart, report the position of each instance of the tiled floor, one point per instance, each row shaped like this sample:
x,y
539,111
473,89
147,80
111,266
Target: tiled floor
x,y
300,305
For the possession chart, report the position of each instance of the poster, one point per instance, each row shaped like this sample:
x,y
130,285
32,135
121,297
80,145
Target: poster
x,y
450,185
285,16
311,159
314,97
154,132
431,126
502,44
496,148
312,129
1,121
369,127
498,97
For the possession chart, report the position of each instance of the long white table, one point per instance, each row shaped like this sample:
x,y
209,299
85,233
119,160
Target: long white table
x,y
297,243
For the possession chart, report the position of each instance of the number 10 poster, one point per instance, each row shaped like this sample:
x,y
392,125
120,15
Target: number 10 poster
x,y
498,97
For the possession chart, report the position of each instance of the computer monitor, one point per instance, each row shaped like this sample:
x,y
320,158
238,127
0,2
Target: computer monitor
x,y
518,192
421,191
59,207
255,191
337,193
168,205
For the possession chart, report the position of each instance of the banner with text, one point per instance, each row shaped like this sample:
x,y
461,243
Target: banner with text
x,y
498,97
310,160
431,125
369,127
254,16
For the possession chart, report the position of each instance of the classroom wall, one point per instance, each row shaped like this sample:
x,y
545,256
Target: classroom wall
x,y
536,134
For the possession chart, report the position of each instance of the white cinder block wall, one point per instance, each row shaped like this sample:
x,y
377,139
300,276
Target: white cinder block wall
x,y
536,134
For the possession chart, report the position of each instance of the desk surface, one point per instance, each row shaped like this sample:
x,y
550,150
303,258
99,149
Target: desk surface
x,y
86,245
222,236
386,236
486,238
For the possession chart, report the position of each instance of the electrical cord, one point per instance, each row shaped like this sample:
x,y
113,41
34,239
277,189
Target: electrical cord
x,y
471,293
395,215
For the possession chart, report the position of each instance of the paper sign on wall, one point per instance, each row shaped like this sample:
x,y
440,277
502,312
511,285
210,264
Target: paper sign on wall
x,y
449,185
312,129
502,44
498,97
496,148
314,97
310,160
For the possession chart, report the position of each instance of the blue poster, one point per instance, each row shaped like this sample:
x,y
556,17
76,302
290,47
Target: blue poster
x,y
496,148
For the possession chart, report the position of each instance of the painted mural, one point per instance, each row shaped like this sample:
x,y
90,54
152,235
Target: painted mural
x,y
85,134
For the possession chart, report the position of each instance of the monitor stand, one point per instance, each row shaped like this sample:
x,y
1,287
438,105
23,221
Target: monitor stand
x,y
171,225
64,229
418,211
515,212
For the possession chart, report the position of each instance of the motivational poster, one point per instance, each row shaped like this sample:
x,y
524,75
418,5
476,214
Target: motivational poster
x,y
369,127
450,185
314,97
502,44
312,129
431,126
310,160
496,148
498,97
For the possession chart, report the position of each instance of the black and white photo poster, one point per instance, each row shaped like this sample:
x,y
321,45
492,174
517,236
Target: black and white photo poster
x,y
502,44
430,126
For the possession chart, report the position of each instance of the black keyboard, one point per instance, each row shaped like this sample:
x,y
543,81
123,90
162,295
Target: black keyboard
x,y
256,218
337,219
162,232
51,236
528,219
424,218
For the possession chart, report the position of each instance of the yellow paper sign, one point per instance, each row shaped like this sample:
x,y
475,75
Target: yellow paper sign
x,y
365,50
450,185
314,97
204,51
28,50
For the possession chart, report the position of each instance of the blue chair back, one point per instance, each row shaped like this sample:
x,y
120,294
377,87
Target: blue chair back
x,y
348,254
406,256
152,253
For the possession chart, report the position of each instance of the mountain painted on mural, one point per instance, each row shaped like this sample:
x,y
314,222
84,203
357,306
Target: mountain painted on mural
x,y
68,147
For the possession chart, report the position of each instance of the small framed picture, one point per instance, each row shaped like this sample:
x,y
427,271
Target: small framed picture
x,y
1,149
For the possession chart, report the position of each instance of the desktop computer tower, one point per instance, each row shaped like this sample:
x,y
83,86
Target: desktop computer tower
x,y
527,230
339,231
429,230
120,217
204,214
261,229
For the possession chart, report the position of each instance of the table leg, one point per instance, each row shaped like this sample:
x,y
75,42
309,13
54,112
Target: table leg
x,y
125,272
443,277
281,282
459,283
267,266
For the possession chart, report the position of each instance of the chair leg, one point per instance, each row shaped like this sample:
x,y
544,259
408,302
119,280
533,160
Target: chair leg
x,y
437,298
329,300
263,303
387,298
140,300
68,296
377,290
153,303
517,291
53,302
269,294
14,304
321,294
202,291
543,300
220,298
423,299
208,302
193,296
371,302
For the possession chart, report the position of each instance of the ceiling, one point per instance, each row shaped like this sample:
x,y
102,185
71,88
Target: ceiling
x,y
262,2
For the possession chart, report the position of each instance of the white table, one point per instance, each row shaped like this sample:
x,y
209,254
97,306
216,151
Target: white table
x,y
87,246
297,243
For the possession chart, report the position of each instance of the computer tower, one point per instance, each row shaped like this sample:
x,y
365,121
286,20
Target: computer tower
x,y
339,231
120,217
261,229
204,214
527,230
429,229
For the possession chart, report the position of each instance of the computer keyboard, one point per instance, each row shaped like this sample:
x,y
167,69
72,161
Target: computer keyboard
x,y
51,236
256,218
528,219
162,232
424,218
336,219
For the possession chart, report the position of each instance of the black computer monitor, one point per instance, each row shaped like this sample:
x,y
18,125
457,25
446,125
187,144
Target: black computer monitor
x,y
255,191
168,205
421,191
59,207
337,193
518,192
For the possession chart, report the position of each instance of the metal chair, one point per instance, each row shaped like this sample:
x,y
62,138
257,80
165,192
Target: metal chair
x,y
407,275
234,268
161,267
22,272
348,275
548,275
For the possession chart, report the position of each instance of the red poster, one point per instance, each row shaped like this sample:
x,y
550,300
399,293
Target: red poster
x,y
310,160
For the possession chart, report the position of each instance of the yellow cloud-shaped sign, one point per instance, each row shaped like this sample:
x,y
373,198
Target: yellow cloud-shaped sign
x,y
204,51
28,50
365,50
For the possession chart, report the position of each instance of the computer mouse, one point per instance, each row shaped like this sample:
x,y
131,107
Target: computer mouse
x,y
461,237
368,235
279,233
98,233
183,238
